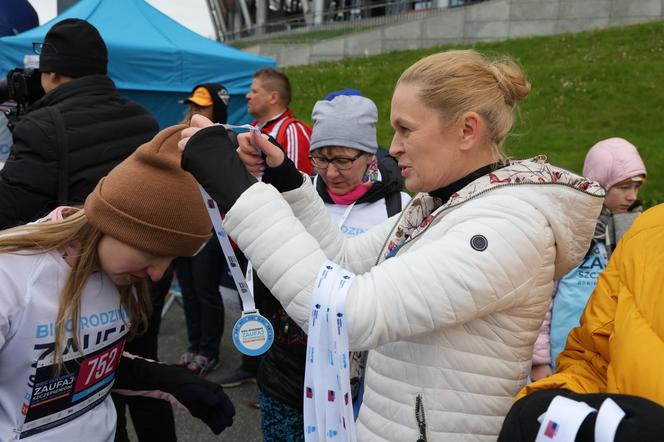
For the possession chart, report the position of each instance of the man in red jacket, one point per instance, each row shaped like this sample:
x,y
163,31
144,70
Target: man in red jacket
x,y
268,101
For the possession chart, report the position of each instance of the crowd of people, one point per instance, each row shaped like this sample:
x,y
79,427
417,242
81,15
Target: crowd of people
x,y
508,299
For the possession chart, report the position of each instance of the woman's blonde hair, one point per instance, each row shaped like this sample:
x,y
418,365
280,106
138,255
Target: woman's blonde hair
x,y
75,229
460,81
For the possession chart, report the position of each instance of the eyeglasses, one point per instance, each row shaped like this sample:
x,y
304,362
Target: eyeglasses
x,y
38,47
339,163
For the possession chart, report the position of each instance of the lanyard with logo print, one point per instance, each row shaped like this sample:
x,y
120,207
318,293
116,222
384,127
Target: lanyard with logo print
x,y
252,334
344,217
328,407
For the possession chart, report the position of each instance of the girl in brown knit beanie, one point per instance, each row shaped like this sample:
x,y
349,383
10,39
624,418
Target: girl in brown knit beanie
x,y
84,270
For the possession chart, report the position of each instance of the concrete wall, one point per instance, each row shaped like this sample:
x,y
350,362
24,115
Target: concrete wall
x,y
492,20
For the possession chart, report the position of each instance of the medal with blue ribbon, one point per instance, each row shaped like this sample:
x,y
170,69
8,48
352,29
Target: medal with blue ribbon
x,y
253,334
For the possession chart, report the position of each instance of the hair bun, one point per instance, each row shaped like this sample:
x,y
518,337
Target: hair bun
x,y
510,80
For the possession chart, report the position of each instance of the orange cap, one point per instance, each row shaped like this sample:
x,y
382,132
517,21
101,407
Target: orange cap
x,y
200,97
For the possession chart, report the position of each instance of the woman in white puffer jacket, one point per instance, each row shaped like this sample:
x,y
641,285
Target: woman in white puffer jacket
x,y
449,295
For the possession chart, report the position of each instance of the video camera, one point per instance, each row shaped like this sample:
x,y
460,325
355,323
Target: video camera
x,y
23,87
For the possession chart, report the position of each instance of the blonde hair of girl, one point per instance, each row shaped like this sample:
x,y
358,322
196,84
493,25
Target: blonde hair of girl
x,y
75,229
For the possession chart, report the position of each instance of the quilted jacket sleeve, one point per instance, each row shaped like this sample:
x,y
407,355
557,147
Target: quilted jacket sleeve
x,y
310,210
582,365
440,283
542,347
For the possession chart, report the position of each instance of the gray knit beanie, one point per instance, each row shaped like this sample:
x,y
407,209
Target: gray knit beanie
x,y
345,121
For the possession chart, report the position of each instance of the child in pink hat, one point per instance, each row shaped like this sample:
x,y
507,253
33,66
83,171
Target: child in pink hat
x,y
617,166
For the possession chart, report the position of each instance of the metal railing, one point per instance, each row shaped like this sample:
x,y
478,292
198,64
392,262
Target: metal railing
x,y
354,17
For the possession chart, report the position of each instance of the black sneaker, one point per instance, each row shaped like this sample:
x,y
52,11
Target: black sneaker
x,y
202,365
238,377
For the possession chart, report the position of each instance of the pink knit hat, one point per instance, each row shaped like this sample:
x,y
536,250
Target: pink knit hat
x,y
611,161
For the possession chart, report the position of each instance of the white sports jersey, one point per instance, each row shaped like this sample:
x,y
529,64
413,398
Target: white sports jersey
x,y
35,402
362,216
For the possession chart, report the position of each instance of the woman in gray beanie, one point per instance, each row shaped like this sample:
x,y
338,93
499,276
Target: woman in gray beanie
x,y
359,191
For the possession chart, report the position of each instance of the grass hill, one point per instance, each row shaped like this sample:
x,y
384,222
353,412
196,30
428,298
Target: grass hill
x,y
585,87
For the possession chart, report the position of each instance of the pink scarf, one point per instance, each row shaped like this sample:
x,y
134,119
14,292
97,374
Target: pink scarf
x,y
350,197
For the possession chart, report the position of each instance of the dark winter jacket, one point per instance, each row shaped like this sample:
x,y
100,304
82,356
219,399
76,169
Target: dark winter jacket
x,y
281,373
102,129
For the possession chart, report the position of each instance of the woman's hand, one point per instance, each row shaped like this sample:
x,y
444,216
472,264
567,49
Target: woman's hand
x,y
197,123
252,148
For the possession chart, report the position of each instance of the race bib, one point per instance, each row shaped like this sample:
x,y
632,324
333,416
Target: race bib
x,y
81,385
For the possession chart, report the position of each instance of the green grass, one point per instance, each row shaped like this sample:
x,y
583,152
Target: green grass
x,y
585,87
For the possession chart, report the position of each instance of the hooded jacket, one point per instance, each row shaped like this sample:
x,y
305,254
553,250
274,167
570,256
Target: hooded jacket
x,y
448,298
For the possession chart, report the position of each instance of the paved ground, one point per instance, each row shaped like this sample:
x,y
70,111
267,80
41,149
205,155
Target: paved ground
x,y
172,342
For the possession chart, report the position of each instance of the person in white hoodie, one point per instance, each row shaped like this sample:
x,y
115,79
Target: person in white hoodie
x,y
449,295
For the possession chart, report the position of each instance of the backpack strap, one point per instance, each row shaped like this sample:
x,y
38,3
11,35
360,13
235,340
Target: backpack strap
x,y
393,203
62,151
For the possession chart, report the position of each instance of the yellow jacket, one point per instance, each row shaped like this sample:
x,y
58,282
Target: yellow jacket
x,y
619,346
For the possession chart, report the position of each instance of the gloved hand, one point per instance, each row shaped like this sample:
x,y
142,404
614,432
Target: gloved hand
x,y
272,163
204,399
210,156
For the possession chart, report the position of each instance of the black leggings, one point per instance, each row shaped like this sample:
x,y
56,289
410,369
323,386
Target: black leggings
x,y
643,421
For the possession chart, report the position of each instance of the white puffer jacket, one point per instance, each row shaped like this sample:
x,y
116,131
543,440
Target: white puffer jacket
x,y
452,317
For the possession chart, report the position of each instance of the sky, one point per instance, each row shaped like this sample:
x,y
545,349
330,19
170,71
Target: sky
x,y
193,14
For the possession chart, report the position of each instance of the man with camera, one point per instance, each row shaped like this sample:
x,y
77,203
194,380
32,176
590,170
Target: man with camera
x,y
73,135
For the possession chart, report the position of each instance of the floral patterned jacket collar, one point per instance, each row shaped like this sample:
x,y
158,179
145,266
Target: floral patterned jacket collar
x,y
424,208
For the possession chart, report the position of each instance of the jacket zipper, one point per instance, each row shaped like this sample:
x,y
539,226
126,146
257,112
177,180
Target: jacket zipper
x,y
421,419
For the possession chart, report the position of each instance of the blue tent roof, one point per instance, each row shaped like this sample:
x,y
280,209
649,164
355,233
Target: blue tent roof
x,y
152,58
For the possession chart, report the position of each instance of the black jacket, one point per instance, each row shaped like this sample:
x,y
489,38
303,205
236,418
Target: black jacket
x,y
281,373
102,129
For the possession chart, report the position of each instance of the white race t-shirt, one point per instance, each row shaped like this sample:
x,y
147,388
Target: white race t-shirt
x,y
35,403
362,216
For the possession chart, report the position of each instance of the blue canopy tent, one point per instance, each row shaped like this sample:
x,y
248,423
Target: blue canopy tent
x,y
153,59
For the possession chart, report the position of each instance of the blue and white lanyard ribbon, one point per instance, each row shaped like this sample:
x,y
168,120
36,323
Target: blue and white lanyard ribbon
x,y
328,404
243,283
252,334
243,288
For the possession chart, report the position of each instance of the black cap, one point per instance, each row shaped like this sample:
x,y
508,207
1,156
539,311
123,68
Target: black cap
x,y
74,48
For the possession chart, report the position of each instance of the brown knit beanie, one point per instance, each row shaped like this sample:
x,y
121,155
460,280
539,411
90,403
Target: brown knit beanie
x,y
150,203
